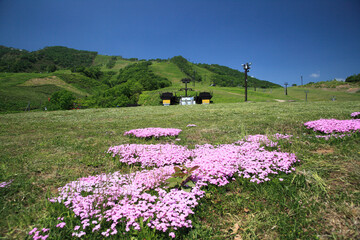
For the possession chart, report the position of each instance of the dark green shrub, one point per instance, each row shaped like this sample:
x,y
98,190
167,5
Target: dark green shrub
x,y
63,100
353,78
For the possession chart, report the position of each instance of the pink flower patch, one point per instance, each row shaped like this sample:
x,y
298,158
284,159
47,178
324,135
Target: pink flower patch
x,y
153,132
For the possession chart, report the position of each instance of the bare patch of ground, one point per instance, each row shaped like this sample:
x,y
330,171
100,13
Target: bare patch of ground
x,y
52,80
353,90
342,220
324,151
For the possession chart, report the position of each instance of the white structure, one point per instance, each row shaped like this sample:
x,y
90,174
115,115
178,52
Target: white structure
x,y
187,101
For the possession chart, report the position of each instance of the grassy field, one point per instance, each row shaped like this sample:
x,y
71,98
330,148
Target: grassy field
x,y
42,151
237,94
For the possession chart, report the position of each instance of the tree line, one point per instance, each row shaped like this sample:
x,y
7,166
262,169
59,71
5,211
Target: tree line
x,y
48,59
186,68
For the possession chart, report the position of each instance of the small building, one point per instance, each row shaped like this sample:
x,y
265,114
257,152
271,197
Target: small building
x,y
168,98
204,98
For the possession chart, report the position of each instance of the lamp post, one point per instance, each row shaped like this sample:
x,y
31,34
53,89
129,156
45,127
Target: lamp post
x,y
286,87
246,68
186,81
306,92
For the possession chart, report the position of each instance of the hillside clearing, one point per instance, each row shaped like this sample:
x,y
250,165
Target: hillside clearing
x,y
53,80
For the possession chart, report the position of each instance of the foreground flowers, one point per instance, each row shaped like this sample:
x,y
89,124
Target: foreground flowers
x,y
117,203
6,184
151,155
334,125
153,132
355,114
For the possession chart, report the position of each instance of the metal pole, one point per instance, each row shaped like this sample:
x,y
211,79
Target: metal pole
x,y
306,92
301,80
246,85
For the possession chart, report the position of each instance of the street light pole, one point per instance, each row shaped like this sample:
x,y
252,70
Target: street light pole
x,y
286,87
246,68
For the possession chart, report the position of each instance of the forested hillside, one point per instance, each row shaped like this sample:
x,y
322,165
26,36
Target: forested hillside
x,y
186,68
48,59
126,88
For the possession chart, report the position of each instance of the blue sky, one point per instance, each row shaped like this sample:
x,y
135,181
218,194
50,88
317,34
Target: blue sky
x,y
284,39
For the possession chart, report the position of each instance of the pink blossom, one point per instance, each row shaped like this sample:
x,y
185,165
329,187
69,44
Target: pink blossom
x,y
327,137
32,231
355,114
151,155
117,198
153,132
334,125
61,225
6,184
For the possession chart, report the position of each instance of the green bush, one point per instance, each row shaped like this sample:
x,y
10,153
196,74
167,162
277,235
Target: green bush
x,y
63,100
353,78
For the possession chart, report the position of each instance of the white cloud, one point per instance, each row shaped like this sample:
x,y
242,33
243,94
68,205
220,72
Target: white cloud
x,y
315,75
340,79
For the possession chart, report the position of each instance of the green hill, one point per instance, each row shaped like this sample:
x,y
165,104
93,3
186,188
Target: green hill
x,y
110,81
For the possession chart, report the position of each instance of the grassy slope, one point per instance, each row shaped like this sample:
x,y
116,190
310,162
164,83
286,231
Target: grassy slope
x,y
14,93
18,89
102,60
235,95
44,150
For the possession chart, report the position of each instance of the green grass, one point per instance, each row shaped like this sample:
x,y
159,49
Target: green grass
x,y
168,70
102,60
237,94
18,89
15,96
42,151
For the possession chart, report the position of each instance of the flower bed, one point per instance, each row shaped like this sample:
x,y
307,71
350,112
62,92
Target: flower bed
x,y
114,202
151,155
334,125
355,115
123,199
153,132
327,137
